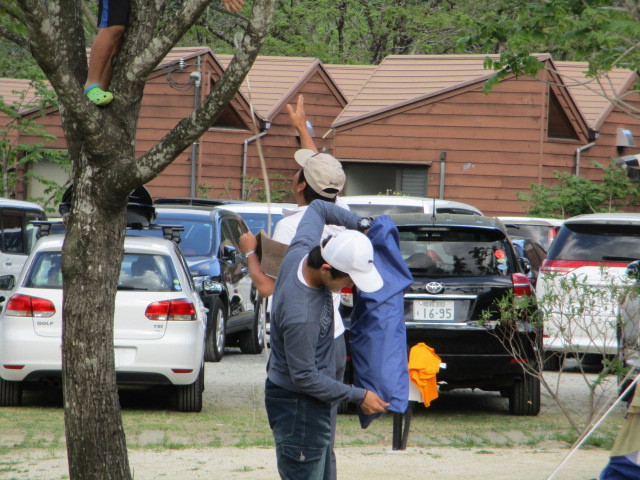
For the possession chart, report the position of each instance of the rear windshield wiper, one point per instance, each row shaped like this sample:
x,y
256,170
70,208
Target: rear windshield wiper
x,y
620,259
127,287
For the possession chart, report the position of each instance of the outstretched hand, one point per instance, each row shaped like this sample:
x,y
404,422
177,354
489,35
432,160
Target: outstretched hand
x,y
233,5
297,116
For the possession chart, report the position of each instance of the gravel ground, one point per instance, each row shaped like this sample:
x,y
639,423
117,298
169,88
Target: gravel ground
x,y
237,374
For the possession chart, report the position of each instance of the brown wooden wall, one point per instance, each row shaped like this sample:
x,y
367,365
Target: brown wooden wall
x,y
494,143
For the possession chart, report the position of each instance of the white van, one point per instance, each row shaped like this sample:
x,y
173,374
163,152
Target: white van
x,y
374,205
17,235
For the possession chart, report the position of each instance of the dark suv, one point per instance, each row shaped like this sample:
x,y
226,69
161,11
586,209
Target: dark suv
x,y
462,266
209,243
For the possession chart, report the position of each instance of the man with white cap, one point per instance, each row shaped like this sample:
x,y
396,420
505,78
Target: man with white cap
x,y
321,177
300,387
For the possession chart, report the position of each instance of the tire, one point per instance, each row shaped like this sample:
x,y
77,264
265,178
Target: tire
x,y
553,361
10,393
216,332
189,397
252,342
524,398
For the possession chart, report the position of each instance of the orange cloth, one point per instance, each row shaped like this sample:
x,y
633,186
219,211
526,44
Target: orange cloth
x,y
424,364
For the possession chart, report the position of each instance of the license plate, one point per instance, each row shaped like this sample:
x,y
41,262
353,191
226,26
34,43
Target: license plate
x,y
437,310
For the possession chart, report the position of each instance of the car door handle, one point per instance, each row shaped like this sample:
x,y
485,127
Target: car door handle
x,y
8,263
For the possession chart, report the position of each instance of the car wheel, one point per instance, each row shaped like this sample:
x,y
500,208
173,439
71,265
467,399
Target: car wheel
x,y
252,342
189,397
10,393
553,361
216,334
524,398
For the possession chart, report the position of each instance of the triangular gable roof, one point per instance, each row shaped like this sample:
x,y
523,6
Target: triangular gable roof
x,y
9,85
274,79
184,53
403,79
350,78
588,95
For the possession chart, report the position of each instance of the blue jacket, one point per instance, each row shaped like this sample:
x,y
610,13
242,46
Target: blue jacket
x,y
378,336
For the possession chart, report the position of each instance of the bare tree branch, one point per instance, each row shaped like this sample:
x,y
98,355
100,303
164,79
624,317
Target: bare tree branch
x,y
14,37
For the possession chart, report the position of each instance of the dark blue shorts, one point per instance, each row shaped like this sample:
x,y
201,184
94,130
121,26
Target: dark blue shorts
x,y
113,12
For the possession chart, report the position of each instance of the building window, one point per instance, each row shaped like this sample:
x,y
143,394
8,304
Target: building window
x,y
385,178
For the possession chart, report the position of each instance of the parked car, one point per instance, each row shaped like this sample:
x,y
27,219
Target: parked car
x,y
462,266
17,234
542,230
374,205
209,243
533,253
256,215
579,284
159,322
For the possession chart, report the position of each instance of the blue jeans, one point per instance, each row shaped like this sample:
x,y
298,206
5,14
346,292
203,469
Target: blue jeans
x,y
301,427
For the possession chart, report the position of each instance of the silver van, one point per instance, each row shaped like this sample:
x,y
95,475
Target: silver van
x,y
17,234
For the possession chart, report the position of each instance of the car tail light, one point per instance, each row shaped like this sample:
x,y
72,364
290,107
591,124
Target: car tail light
x,y
171,310
346,296
181,370
553,233
27,306
521,285
562,267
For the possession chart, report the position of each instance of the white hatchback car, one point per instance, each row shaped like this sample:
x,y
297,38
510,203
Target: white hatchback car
x,y
374,205
581,282
159,322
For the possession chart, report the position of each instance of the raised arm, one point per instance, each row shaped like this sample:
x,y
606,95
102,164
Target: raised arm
x,y
299,122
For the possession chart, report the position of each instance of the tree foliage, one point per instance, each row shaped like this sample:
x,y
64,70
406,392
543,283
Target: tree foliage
x,y
573,195
603,33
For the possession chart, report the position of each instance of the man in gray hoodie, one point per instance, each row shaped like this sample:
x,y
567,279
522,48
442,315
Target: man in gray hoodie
x,y
300,386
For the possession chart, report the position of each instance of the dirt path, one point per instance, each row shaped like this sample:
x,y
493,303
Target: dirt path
x,y
353,463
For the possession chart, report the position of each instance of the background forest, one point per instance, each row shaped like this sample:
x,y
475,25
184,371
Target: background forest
x,y
342,31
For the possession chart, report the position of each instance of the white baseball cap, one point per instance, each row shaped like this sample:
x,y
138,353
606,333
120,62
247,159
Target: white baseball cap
x,y
322,172
351,252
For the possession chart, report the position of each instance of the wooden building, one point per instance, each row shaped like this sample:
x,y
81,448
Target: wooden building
x,y
421,125
617,124
418,125
216,165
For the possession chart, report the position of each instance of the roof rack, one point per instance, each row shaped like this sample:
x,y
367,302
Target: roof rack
x,y
169,232
197,202
50,227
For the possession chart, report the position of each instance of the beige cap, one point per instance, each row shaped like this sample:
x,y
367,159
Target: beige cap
x,y
322,172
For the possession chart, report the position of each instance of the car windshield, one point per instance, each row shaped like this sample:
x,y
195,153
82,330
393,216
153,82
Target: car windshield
x,y
198,239
259,221
451,251
139,271
596,243
539,233
375,210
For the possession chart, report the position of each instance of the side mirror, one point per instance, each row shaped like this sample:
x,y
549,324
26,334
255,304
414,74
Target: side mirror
x,y
633,270
7,282
212,288
525,264
229,253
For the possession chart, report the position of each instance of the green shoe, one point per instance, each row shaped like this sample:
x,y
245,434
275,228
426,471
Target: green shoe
x,y
97,95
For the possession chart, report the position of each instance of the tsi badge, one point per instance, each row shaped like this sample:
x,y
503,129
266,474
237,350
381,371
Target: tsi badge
x,y
434,287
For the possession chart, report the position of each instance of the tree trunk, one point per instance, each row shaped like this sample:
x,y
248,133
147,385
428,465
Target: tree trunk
x,y
92,255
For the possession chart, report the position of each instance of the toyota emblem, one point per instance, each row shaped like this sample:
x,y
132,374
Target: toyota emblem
x,y
434,287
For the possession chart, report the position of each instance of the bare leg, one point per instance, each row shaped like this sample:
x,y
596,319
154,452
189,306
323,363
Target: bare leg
x,y
104,48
